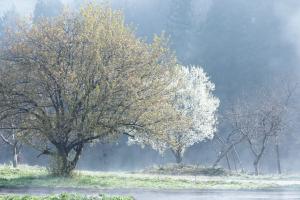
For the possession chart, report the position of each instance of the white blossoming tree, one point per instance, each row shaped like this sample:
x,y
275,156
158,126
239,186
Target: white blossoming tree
x,y
194,101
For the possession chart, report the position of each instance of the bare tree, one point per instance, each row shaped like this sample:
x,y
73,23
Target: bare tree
x,y
284,101
257,121
228,146
12,137
14,143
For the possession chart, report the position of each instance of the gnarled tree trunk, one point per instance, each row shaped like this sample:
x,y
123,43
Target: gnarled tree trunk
x,y
64,163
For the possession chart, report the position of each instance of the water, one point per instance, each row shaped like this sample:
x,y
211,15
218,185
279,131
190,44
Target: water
x,y
143,194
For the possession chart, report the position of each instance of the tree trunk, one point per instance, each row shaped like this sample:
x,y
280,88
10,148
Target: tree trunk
x,y
256,169
224,152
255,164
178,155
64,166
278,156
234,161
228,163
238,158
258,155
178,158
219,158
15,157
278,159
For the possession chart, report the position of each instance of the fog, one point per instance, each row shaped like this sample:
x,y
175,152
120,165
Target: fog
x,y
289,14
243,46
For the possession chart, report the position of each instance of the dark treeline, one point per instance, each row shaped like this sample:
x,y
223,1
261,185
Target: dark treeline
x,y
250,50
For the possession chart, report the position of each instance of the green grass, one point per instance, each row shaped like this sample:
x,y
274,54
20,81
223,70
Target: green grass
x,y
62,197
26,176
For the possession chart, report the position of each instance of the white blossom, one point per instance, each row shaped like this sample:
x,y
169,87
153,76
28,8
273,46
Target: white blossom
x,y
195,102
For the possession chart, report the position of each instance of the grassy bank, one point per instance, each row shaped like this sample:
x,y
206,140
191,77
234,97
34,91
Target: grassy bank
x,y
62,197
26,176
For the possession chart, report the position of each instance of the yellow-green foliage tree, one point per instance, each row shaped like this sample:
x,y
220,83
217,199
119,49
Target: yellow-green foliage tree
x,y
84,77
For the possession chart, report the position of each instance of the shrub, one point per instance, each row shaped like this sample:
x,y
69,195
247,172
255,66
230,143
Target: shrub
x,y
180,169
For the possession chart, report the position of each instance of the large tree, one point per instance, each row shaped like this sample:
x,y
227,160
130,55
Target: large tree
x,y
82,77
194,100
